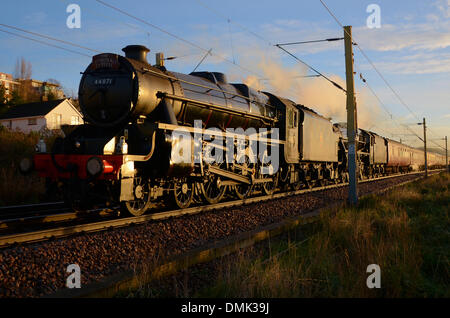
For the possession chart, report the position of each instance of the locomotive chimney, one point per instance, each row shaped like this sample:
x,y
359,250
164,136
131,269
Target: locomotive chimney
x,y
136,52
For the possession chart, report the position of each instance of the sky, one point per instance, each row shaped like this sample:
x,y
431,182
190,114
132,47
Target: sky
x,y
411,50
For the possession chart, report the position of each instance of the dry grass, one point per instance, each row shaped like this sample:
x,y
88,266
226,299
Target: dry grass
x,y
405,232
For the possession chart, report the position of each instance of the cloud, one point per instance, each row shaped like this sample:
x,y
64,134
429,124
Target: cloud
x,y
424,36
424,63
38,17
444,7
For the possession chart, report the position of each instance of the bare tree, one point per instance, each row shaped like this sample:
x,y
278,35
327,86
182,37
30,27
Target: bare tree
x,y
22,73
23,69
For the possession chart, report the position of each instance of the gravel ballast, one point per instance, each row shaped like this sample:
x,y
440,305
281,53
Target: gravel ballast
x,y
39,269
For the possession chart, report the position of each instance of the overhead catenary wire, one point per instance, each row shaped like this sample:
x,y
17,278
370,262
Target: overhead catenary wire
x,y
289,43
384,106
93,50
373,65
293,43
270,43
231,40
233,22
193,44
181,38
48,37
247,70
436,136
390,115
45,43
312,68
229,20
176,36
131,26
203,58
311,41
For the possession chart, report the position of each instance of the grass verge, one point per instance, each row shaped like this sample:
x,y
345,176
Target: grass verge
x,y
406,232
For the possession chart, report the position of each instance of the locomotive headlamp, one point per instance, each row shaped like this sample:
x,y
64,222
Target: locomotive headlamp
x,y
94,166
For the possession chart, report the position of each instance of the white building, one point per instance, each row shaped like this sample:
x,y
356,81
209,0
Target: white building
x,y
37,116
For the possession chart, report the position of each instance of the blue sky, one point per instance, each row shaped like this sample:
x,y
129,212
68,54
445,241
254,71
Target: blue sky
x,y
411,49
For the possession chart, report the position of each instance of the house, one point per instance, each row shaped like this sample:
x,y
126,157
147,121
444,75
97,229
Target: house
x,y
9,83
38,116
43,89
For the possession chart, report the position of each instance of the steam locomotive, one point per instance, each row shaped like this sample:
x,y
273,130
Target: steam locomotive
x,y
140,119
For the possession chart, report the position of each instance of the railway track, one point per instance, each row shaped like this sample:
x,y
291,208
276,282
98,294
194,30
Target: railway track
x,y
131,280
63,231
28,210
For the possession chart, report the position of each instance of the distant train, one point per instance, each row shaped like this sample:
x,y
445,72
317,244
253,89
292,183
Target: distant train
x,y
127,151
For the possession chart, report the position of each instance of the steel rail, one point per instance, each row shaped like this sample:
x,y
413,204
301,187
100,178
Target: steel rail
x,y
12,208
124,282
59,232
53,218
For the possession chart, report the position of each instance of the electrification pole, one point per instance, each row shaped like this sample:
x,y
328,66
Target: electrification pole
x,y
447,166
425,146
352,125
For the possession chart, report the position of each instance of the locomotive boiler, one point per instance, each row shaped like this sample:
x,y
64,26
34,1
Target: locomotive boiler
x,y
116,89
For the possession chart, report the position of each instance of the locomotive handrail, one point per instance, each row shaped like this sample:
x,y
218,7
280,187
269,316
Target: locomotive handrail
x,y
206,87
144,157
217,107
195,130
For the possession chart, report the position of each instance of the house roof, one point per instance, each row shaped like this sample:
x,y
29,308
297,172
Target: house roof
x,y
31,109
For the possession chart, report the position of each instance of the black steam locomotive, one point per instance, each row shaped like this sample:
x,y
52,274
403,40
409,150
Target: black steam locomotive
x,y
141,119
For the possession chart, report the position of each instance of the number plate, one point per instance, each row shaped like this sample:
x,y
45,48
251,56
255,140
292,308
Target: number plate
x,y
104,81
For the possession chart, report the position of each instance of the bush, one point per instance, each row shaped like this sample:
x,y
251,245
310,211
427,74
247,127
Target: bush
x,y
15,145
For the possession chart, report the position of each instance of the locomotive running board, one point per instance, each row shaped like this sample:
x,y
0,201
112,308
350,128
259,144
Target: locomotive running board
x,y
229,175
237,177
